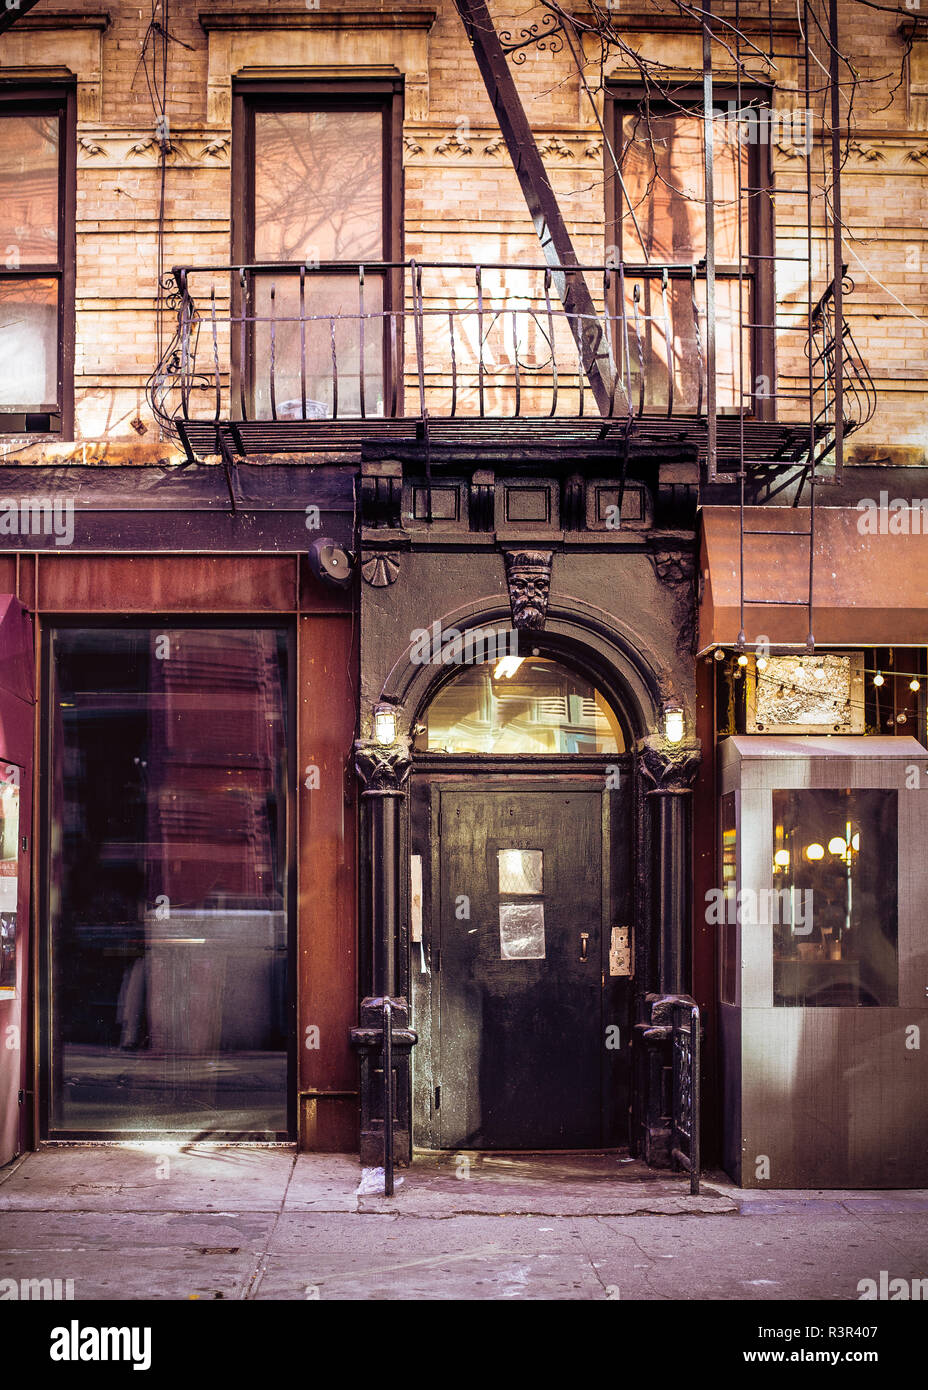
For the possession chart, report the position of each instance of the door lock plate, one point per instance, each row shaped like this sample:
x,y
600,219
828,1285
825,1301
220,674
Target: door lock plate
x,y
620,952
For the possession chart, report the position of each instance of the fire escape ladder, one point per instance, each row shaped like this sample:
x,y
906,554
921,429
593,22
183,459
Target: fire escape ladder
x,y
807,557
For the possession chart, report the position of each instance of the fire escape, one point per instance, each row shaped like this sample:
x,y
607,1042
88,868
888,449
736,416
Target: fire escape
x,y
551,361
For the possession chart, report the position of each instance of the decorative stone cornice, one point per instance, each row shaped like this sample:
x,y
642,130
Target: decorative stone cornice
x,y
52,43
668,767
105,148
282,41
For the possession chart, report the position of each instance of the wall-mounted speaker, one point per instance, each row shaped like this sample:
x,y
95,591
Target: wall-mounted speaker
x,y
330,562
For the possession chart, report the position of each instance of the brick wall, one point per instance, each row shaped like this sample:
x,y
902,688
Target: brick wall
x,y
461,195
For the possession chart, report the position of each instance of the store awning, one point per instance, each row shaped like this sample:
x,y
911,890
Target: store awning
x,y
868,589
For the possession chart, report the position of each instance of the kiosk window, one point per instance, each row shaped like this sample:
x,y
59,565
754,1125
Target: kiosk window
x,y
835,928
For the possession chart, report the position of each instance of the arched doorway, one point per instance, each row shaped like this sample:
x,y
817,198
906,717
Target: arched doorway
x,y
521,952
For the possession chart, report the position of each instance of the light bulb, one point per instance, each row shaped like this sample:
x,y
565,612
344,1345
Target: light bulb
x,y
673,725
815,852
837,846
742,660
819,673
781,858
385,725
915,685
761,663
878,678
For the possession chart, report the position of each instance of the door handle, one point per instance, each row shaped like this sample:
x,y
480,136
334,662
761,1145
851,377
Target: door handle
x,y
584,942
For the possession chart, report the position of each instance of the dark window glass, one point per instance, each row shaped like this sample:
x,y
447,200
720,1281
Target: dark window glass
x,y
835,879
169,942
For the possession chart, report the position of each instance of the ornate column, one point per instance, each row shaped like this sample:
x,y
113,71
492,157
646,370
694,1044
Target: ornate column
x,y
667,773
383,771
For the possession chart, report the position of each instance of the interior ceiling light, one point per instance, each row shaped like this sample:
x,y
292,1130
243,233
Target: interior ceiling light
x,y
506,667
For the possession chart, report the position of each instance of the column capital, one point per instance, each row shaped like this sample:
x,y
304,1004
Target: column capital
x,y
382,769
668,767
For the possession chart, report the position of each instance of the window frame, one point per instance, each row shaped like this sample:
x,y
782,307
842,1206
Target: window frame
x,y
60,99
250,95
623,100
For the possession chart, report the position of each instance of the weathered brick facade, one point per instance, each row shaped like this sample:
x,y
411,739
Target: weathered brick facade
x,y
462,199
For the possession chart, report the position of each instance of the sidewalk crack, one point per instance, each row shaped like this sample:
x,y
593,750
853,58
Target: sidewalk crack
x,y
254,1283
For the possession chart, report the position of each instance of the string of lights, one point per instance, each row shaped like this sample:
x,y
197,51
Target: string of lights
x,y
879,673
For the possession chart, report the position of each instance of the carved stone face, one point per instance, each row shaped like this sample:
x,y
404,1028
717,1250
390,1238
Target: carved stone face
x,y
528,594
529,574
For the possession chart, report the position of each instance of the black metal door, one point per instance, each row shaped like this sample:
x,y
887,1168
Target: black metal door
x,y
521,970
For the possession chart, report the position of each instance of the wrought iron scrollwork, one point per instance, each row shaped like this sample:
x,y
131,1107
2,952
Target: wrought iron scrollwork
x,y
546,36
176,377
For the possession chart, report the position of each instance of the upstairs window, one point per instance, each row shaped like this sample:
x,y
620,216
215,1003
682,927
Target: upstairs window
x,y
36,262
661,155
318,194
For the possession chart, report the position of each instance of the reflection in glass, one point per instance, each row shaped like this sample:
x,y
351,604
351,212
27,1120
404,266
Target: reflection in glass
x,y
541,707
835,879
318,185
9,869
663,168
520,870
328,345
28,344
168,917
29,190
729,930
522,931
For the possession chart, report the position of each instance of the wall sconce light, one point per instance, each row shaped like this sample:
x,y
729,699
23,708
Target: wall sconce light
x,y
385,725
673,724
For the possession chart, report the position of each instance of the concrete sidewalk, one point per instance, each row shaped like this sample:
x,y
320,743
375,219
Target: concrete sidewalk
x,y
158,1221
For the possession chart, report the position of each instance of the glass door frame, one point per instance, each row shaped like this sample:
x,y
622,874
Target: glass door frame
x,y
43,975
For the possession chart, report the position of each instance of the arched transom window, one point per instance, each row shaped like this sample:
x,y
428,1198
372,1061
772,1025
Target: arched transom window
x,y
527,704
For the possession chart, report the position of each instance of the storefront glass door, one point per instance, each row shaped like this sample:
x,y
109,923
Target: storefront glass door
x,y
169,980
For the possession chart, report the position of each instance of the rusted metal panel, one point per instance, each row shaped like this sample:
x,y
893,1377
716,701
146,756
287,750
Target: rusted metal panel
x,y
17,715
316,597
327,902
870,590
152,584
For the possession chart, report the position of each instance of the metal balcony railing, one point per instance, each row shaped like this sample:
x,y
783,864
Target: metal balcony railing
x,y
303,344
